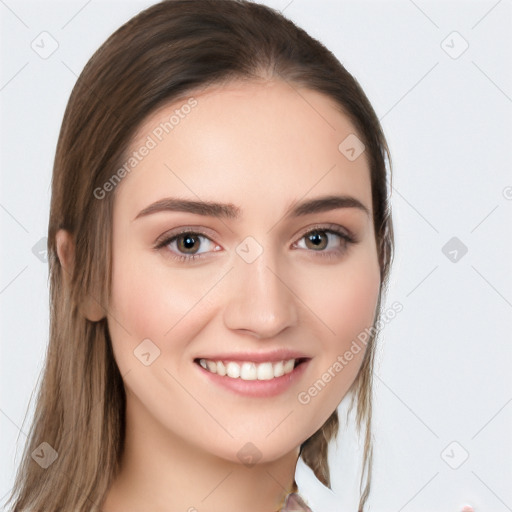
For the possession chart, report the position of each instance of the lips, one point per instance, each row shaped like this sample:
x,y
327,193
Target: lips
x,y
252,366
255,366
250,379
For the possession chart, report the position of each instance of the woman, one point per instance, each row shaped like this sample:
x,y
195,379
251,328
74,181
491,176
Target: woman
x,y
220,238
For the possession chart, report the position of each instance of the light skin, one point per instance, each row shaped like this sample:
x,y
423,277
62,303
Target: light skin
x,y
264,148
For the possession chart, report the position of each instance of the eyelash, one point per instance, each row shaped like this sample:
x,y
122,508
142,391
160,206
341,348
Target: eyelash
x,y
332,229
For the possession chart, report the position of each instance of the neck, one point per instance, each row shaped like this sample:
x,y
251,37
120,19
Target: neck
x,y
162,472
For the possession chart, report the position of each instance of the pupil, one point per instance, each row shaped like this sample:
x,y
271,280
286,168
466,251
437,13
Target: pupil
x,y
188,242
316,239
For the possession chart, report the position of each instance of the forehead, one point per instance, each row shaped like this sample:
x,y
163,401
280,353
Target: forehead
x,y
245,142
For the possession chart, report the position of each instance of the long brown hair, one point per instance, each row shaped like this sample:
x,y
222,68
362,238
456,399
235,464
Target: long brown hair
x,y
166,52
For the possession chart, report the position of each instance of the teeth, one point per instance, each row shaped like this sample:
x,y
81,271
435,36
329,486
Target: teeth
x,y
288,365
279,369
221,369
212,367
232,369
249,370
265,371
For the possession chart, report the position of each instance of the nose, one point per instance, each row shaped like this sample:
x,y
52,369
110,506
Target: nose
x,y
260,299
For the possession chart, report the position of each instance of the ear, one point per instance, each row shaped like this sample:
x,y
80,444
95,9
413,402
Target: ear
x,y
65,252
65,246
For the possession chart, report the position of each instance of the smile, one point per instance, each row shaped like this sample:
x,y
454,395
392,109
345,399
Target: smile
x,y
264,378
249,370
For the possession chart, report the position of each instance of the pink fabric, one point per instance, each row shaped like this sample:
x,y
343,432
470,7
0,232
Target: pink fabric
x,y
294,503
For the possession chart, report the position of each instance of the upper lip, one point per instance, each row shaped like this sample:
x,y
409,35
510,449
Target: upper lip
x,y
257,357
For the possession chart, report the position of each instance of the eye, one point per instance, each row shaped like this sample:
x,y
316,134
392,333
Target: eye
x,y
326,240
188,245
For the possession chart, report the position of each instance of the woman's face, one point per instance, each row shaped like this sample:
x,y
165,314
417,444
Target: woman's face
x,y
247,281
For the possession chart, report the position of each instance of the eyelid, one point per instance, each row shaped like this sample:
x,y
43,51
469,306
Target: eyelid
x,y
336,228
164,239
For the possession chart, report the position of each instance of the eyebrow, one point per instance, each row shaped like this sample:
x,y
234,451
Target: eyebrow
x,y
230,211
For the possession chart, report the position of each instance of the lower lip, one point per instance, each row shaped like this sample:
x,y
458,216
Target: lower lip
x,y
257,388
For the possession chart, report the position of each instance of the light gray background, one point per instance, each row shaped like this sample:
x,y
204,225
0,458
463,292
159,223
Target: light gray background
x,y
443,370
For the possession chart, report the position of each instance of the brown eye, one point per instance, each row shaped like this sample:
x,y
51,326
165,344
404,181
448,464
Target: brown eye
x,y
330,242
185,243
317,240
187,246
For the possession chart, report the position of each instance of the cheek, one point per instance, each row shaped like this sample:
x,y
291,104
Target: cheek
x,y
346,299
149,301
356,303
346,306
